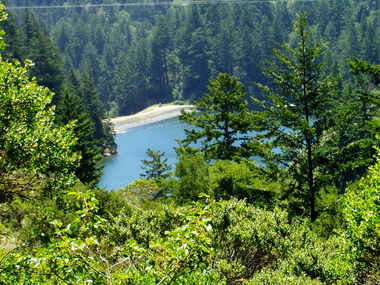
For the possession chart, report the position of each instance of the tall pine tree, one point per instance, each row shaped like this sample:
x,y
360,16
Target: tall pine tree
x,y
296,125
222,128
70,109
159,79
39,48
103,131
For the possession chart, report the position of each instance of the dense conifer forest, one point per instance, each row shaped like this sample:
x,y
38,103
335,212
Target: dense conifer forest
x,y
303,76
138,55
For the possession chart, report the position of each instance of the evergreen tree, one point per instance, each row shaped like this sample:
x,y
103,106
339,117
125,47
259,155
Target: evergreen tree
x,y
13,39
159,79
40,49
224,122
90,62
192,50
103,131
251,44
156,168
71,110
79,37
132,79
297,122
358,141
223,47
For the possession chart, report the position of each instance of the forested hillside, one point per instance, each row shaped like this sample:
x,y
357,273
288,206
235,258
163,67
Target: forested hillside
x,y
150,53
283,187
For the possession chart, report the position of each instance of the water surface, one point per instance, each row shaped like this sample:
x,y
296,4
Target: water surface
x,y
122,169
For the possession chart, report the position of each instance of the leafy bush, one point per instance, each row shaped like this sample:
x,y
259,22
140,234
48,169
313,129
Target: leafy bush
x,y
222,180
213,242
259,245
362,214
241,180
192,173
84,251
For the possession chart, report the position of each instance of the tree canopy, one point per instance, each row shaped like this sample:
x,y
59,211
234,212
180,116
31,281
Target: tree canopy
x,y
297,124
35,154
162,51
224,123
223,221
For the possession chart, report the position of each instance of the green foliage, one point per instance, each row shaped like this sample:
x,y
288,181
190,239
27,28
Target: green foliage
x,y
192,171
70,110
156,168
103,130
364,124
183,250
140,191
160,42
70,254
192,45
77,239
35,154
14,47
241,180
298,121
362,212
249,239
111,203
157,219
359,66
225,121
3,17
39,48
222,180
173,245
278,277
203,242
264,247
81,252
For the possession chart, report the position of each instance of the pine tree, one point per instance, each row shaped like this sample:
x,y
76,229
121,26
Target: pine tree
x,y
297,122
359,140
70,110
13,39
103,130
131,80
156,168
192,48
223,46
159,79
225,121
40,48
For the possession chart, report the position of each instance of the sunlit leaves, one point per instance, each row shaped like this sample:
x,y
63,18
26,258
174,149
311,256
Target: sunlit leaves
x,y
33,150
362,213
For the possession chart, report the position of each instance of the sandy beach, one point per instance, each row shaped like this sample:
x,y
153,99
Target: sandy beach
x,y
150,115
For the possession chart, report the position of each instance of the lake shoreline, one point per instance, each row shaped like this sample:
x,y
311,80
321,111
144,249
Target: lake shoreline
x,y
148,116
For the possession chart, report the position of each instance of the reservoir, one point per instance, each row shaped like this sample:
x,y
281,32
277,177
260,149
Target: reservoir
x,y
122,169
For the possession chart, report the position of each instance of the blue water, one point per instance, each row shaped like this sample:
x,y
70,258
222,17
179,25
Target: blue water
x,y
122,169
